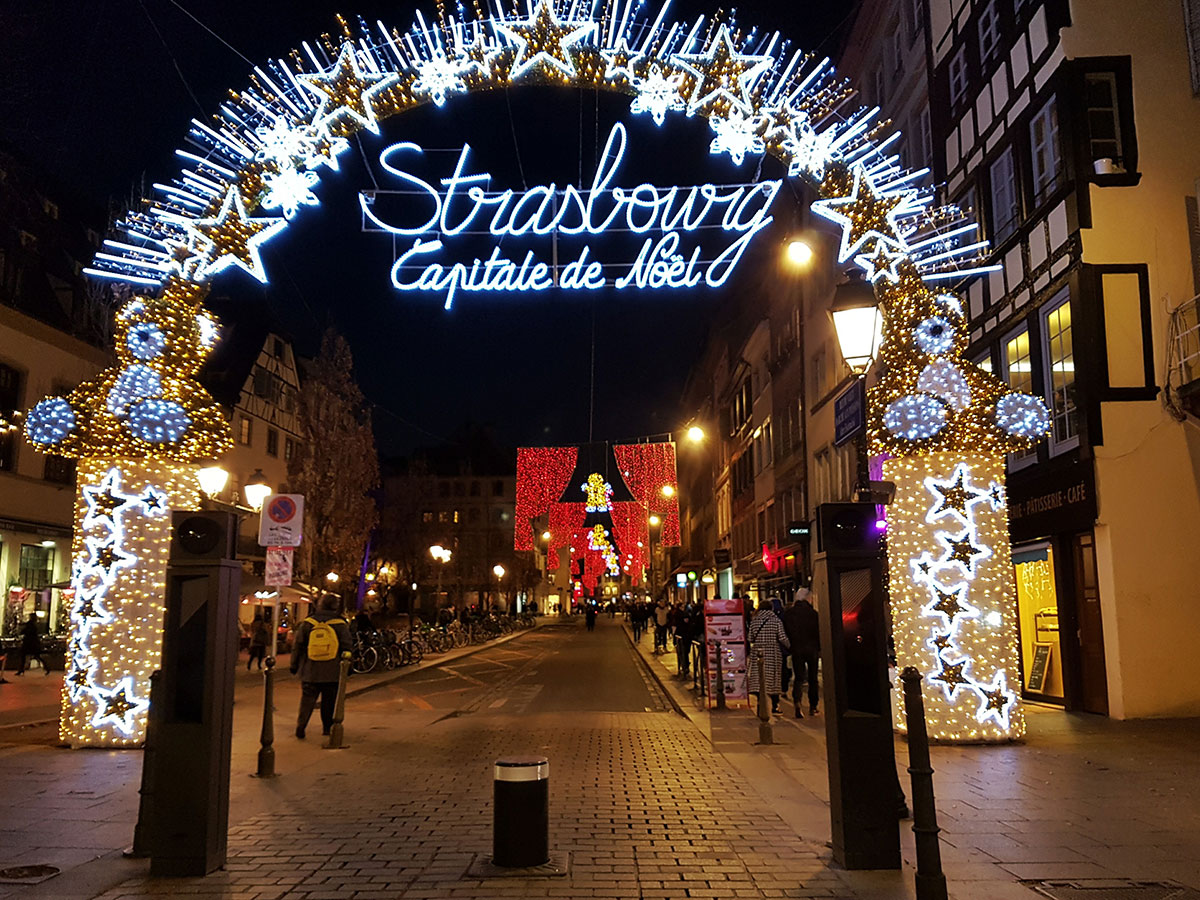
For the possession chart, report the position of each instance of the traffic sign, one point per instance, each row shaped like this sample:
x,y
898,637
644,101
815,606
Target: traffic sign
x,y
282,521
277,572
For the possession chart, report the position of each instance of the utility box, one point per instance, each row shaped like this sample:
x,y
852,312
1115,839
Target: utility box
x,y
863,787
190,814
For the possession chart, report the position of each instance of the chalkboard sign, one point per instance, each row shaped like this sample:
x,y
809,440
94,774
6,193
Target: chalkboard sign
x,y
1037,674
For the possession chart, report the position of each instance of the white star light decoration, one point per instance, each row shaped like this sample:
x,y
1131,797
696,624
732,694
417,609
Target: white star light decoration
x,y
900,203
956,499
559,37
882,262
210,256
657,94
440,76
118,706
289,189
722,72
347,90
737,135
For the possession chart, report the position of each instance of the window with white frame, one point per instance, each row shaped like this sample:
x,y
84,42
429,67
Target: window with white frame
x,y
1018,372
1059,355
958,75
1103,117
1006,206
1043,143
989,31
984,361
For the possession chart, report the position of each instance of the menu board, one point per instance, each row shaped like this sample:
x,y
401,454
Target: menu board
x,y
725,627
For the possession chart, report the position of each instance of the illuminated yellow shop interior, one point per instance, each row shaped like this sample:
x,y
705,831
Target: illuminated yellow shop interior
x,y
1037,605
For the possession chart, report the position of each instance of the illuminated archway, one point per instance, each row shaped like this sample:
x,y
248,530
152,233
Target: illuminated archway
x,y
140,429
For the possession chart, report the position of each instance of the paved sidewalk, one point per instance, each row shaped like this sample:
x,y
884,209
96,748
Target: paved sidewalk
x,y
1084,798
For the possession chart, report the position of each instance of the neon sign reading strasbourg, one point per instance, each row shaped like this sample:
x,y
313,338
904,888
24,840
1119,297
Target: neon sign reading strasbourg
x,y
671,256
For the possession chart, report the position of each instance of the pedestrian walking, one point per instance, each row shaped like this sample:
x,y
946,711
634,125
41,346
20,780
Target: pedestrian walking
x,y
321,640
803,627
258,642
31,646
684,635
767,634
590,617
637,618
661,614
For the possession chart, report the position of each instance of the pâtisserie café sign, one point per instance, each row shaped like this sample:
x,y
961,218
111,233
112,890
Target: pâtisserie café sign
x,y
682,236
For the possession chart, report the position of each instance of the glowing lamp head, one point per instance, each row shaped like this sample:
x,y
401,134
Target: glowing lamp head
x,y
858,321
498,571
546,535
257,490
655,521
695,434
332,577
799,253
212,480
668,491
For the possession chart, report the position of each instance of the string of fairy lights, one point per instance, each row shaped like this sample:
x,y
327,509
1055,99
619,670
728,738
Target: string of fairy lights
x,y
249,170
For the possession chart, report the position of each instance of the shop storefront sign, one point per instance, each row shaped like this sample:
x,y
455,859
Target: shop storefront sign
x,y
1048,503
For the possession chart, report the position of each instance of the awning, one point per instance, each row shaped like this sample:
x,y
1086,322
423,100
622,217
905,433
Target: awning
x,y
254,589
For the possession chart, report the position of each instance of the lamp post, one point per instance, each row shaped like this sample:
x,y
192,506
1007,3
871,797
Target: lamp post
x,y
498,571
257,490
858,321
442,556
655,521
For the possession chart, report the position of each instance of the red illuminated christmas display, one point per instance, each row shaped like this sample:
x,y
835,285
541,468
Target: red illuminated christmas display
x,y
545,488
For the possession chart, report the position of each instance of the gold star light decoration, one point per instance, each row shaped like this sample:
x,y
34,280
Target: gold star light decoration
x,y
259,162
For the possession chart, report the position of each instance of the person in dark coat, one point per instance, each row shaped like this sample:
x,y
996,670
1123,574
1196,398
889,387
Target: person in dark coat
x,y
684,635
31,646
590,616
319,678
258,642
802,624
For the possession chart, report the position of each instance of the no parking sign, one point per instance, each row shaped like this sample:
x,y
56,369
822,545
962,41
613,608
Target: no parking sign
x,y
282,521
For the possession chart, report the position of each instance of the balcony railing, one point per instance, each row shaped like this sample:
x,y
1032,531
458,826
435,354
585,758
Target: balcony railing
x,y
1183,373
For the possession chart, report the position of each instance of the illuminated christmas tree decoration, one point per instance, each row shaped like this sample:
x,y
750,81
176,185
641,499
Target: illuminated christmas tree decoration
x,y
657,94
544,42
737,136
347,91
953,595
231,238
722,76
599,494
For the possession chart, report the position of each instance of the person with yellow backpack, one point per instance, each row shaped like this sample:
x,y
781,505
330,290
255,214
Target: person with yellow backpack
x,y
321,640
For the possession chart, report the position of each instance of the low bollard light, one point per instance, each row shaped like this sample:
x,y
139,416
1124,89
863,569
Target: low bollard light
x,y
766,734
521,812
337,732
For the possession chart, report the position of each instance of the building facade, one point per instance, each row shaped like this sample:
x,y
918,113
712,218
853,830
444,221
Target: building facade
x,y
1069,130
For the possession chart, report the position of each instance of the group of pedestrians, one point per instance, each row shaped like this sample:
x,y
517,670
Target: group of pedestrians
x,y
682,622
783,636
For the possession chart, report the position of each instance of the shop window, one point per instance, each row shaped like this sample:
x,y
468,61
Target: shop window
x,y
1037,609
1006,207
272,442
958,76
1059,355
1018,372
1044,147
36,567
245,430
989,31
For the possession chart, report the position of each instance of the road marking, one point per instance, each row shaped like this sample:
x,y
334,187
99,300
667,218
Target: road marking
x,y
419,703
496,704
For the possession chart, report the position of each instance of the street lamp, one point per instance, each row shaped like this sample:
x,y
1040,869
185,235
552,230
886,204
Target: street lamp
x,y
799,253
332,577
668,491
655,521
442,555
545,535
695,434
256,490
498,571
858,321
212,480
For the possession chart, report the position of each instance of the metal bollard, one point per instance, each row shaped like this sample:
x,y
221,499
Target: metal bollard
x,y
930,882
521,812
766,734
266,752
144,826
720,680
336,733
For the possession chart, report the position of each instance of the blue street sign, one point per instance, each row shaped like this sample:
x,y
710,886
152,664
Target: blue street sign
x,y
849,417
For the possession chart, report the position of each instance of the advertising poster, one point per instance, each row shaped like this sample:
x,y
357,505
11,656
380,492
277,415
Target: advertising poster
x,y
725,627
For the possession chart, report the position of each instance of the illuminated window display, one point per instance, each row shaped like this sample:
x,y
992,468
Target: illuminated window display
x,y
1037,608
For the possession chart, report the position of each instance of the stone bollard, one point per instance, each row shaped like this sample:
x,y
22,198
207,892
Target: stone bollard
x,y
930,881
766,734
521,812
720,679
266,752
337,733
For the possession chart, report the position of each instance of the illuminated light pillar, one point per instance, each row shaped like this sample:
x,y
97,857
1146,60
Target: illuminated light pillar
x,y
119,560
953,594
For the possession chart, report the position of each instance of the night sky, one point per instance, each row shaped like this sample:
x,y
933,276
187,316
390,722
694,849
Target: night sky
x,y
95,98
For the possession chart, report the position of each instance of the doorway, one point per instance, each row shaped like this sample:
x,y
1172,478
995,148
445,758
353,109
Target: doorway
x,y
1037,609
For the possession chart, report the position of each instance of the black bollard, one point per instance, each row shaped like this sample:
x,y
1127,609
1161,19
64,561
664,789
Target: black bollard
x,y
521,812
930,882
337,732
143,828
720,679
766,734
266,752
